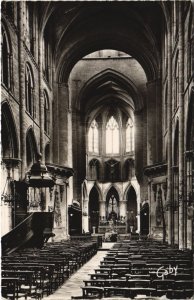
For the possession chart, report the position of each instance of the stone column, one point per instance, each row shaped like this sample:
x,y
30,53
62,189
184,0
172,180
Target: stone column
x,y
70,146
63,100
150,202
22,89
60,227
6,208
85,217
65,212
169,117
153,122
138,218
55,125
139,144
102,205
182,241
41,104
123,208
103,146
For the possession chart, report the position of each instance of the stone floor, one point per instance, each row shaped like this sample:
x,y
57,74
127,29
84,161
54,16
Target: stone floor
x,y
72,286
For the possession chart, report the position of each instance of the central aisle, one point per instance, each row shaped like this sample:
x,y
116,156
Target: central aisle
x,y
72,286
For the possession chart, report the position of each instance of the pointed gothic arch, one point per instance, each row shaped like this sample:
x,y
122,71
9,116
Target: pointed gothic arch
x,y
29,90
46,113
112,204
94,208
110,79
9,137
6,58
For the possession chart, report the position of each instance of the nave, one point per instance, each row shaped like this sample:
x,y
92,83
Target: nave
x,y
133,269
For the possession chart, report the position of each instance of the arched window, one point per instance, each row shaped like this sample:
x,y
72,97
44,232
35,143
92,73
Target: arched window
x,y
31,24
9,140
29,92
112,204
112,136
93,138
5,60
129,136
31,148
46,113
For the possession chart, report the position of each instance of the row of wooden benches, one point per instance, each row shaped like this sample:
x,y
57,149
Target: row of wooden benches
x,y
35,272
153,269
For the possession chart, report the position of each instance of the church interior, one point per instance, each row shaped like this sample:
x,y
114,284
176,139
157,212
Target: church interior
x,y
97,149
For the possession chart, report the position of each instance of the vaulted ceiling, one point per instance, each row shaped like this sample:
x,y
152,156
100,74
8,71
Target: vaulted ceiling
x,y
79,28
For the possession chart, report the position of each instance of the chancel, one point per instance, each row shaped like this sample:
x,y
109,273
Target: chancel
x,y
97,149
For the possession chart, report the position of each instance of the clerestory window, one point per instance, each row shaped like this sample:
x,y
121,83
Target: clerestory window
x,y
93,138
112,136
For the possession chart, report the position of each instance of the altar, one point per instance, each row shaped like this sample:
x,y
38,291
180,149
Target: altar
x,y
117,226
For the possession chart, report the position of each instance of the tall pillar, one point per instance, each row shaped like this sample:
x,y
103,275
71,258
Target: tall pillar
x,y
63,100
169,116
85,216
60,226
55,124
153,122
139,144
102,205
181,131
150,205
65,212
41,100
70,146
22,89
123,208
138,218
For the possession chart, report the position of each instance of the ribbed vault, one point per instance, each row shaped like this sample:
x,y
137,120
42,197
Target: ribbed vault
x,y
82,28
109,87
